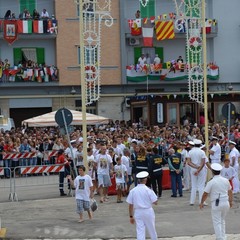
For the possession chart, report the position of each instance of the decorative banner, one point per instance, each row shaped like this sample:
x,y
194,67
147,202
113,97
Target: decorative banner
x,y
147,32
10,31
164,30
136,28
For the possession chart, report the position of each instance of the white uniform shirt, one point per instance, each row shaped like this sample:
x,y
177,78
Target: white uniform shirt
x,y
218,185
103,163
234,153
216,157
196,155
228,173
157,60
74,151
126,161
120,171
142,61
141,197
82,185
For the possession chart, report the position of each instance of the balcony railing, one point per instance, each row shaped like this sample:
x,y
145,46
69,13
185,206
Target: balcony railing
x,y
33,26
33,74
165,72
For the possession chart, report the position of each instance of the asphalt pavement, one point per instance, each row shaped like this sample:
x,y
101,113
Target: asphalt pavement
x,y
41,213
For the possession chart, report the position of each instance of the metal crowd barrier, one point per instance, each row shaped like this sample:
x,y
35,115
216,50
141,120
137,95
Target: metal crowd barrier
x,y
27,177
6,183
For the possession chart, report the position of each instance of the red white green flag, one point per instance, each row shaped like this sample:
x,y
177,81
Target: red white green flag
x,y
24,26
38,26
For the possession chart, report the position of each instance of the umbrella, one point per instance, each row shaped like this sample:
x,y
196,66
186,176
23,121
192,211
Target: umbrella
x,y
48,119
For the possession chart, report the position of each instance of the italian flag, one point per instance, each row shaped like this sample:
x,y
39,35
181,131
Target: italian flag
x,y
24,26
38,26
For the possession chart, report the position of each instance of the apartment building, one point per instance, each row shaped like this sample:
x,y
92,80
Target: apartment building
x,y
128,92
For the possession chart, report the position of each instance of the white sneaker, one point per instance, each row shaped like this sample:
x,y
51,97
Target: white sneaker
x,y
185,189
205,204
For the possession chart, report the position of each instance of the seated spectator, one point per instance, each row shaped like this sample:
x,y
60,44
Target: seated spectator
x,y
13,16
44,14
8,14
27,15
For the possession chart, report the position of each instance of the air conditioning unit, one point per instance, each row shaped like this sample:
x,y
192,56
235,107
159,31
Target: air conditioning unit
x,y
127,102
134,41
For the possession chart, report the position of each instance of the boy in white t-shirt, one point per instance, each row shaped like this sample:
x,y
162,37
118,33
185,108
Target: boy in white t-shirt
x,y
84,191
228,171
121,174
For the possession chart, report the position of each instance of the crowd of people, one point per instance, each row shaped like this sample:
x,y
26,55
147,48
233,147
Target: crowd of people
x,y
124,151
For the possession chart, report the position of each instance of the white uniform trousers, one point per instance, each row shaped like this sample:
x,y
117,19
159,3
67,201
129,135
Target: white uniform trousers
x,y
218,218
145,218
236,181
198,184
186,176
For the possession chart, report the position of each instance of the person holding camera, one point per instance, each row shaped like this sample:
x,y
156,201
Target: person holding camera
x,y
220,192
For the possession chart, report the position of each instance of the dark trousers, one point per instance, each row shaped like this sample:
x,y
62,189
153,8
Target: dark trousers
x,y
156,181
62,175
176,183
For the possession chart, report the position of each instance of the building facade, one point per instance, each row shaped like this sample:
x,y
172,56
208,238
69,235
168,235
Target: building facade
x,y
127,91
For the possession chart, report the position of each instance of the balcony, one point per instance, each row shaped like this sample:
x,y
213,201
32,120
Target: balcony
x,y
40,74
167,72
30,28
211,29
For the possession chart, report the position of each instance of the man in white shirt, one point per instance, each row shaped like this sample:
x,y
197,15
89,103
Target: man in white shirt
x,y
198,176
156,60
219,190
44,14
233,156
142,60
103,162
215,151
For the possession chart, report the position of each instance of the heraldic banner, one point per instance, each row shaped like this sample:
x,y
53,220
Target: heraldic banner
x,y
10,31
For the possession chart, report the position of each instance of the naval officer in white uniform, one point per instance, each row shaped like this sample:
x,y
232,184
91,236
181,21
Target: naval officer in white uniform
x,y
219,190
140,201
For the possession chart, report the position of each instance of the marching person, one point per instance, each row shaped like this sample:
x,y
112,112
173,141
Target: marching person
x,y
219,190
61,159
233,156
84,191
140,200
215,151
198,177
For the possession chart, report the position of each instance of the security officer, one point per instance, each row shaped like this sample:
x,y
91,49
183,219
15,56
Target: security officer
x,y
156,163
175,166
140,201
221,197
61,159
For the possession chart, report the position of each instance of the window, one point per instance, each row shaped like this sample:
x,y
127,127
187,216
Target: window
x,y
88,7
30,5
149,10
92,108
91,54
21,54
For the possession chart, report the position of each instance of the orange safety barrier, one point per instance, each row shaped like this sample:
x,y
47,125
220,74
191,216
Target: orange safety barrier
x,y
19,155
166,179
1,171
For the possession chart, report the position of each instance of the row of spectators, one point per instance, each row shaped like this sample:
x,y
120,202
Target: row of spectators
x,y
27,15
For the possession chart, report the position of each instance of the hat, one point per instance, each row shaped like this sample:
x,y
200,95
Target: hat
x,y
203,146
80,139
134,141
197,141
191,143
232,142
73,141
216,167
214,138
142,175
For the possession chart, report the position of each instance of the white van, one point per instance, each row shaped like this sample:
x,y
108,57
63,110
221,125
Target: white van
x,y
6,123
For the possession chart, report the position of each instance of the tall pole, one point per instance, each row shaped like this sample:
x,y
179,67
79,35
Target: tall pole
x,y
204,47
83,86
